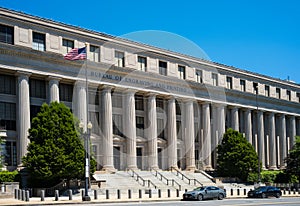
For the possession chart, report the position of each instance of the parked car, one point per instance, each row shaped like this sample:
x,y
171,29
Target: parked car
x,y
265,191
202,193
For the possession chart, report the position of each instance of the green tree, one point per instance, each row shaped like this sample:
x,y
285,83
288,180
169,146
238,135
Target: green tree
x,y
293,160
56,151
236,156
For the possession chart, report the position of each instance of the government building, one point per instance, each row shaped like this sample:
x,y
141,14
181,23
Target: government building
x,y
150,108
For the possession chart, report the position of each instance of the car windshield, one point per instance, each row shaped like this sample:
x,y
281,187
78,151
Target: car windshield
x,y
261,189
199,189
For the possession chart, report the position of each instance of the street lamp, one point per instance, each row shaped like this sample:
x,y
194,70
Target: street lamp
x,y
86,136
258,150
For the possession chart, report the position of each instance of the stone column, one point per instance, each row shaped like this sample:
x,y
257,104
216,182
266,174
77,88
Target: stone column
x,y
235,118
23,114
189,136
152,132
129,121
298,126
53,89
260,138
207,136
172,134
282,136
81,104
107,130
272,142
248,126
221,122
292,132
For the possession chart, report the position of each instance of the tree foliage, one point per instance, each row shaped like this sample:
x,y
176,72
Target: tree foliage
x,y
56,151
293,160
236,156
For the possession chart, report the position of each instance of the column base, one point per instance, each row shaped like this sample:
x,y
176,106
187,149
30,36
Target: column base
x,y
109,169
273,168
282,167
134,168
191,168
208,168
154,167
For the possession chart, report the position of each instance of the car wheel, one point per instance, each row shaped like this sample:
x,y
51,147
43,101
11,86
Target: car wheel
x,y
220,197
277,195
200,197
263,195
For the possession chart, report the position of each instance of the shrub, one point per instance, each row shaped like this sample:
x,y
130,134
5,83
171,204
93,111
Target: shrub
x,y
6,176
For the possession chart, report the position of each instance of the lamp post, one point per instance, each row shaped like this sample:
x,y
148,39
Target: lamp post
x,y
258,146
86,136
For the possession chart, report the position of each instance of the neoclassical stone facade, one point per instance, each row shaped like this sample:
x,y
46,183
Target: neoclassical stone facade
x,y
150,108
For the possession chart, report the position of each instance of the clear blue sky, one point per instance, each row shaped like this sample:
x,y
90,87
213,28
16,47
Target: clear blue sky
x,y
257,35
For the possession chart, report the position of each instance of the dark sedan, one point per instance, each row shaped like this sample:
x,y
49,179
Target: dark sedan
x,y
265,191
202,193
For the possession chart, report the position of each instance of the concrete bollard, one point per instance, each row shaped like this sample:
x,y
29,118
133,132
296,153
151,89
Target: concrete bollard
x,y
16,193
42,195
150,193
185,190
19,194
119,194
107,194
95,194
169,192
231,192
177,192
289,191
159,193
140,194
245,192
70,194
56,195
82,193
23,195
294,190
129,194
284,191
238,192
27,196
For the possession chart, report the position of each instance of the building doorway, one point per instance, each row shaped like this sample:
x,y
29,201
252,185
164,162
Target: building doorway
x,y
117,158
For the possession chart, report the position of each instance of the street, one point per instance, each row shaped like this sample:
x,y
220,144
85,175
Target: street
x,y
225,202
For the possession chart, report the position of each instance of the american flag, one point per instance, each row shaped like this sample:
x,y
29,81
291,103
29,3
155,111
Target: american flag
x,y
76,54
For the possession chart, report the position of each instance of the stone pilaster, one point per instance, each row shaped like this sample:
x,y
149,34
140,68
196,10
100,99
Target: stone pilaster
x,y
152,133
107,130
189,136
172,134
129,121
261,138
282,140
248,125
292,132
235,118
81,104
23,114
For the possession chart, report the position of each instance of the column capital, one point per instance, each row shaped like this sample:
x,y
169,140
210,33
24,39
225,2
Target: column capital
x,y
23,73
49,78
106,87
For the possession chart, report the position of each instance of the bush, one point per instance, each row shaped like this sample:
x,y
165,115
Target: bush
x,y
269,176
6,176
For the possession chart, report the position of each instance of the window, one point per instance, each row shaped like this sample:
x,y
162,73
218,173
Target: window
x,y
159,105
140,126
196,132
177,107
288,94
66,92
160,128
37,88
229,82
67,46
10,153
214,77
163,68
94,118
181,72
139,102
298,97
142,63
116,100
179,129
94,53
38,41
255,87
8,115
278,93
117,124
119,59
94,96
267,90
199,76
34,110
7,84
243,85
6,34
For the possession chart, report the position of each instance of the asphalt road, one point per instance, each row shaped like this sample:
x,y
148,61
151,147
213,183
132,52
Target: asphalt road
x,y
225,202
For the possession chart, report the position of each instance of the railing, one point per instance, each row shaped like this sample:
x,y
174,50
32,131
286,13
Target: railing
x,y
178,173
141,180
161,177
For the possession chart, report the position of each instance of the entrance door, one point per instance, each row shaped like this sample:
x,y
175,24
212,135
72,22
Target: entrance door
x,y
139,156
117,158
178,158
159,152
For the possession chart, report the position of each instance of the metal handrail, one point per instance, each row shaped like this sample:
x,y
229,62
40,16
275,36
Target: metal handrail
x,y
157,173
138,177
187,178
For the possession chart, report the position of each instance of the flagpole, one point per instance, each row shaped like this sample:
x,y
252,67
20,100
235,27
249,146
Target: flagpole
x,y
86,196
